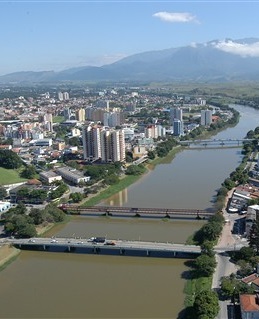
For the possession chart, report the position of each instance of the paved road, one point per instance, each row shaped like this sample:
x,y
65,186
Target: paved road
x,y
116,243
224,266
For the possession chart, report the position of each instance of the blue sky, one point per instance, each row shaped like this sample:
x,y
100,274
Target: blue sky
x,y
56,35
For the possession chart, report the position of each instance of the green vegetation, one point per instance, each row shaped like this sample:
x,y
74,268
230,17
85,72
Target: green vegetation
x,y
28,195
20,224
200,277
58,119
165,147
9,159
206,305
135,170
58,192
10,176
28,172
76,197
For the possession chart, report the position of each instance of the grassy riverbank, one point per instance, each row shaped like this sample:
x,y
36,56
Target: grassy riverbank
x,y
193,286
7,255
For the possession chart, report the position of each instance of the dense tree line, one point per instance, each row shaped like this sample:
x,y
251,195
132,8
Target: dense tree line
x,y
9,159
59,191
205,304
28,195
18,223
164,147
102,171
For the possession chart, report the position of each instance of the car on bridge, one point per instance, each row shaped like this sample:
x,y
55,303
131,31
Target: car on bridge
x,y
110,243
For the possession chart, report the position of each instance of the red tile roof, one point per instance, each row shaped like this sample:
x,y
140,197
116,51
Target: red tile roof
x,y
248,303
249,279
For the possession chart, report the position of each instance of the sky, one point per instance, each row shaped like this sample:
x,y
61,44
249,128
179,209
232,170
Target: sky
x,y
55,35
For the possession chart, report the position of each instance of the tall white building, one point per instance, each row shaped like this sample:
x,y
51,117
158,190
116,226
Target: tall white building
x,y
154,131
118,146
48,121
107,145
80,115
206,117
63,96
92,142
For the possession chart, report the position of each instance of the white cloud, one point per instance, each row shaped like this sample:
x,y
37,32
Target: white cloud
x,y
193,45
175,17
245,50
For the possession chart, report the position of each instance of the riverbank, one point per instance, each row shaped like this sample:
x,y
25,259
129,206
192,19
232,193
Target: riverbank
x,y
128,180
7,255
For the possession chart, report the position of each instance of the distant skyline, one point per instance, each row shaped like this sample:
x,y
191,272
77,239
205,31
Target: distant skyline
x,y
57,35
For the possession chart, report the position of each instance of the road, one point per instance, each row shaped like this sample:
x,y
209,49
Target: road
x,y
126,244
224,266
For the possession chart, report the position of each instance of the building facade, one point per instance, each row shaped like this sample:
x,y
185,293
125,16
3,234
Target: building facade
x,y
206,117
108,145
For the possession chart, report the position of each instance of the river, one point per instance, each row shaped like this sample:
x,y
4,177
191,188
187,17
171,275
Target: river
x,y
55,285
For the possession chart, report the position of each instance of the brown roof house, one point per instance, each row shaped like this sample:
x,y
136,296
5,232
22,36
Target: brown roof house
x,y
249,305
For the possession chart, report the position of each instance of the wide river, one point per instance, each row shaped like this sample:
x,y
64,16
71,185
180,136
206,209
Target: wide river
x,y
56,285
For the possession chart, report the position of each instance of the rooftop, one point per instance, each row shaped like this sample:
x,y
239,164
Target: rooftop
x,y
248,302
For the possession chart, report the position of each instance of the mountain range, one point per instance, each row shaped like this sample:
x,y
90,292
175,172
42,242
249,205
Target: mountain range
x,y
214,61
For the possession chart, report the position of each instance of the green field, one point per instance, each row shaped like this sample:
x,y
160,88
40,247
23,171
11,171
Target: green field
x,y
58,119
9,176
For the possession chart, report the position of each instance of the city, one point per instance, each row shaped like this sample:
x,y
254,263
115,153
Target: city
x,y
65,152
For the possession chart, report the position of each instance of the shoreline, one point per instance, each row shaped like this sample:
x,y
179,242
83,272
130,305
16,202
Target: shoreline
x,y
7,255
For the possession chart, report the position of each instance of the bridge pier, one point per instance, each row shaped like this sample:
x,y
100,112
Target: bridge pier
x,y
147,253
44,247
69,248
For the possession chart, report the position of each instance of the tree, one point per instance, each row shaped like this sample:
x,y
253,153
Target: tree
x,y
246,253
27,231
151,155
228,286
211,231
9,159
76,197
3,193
205,265
28,172
207,248
135,170
206,305
111,179
37,215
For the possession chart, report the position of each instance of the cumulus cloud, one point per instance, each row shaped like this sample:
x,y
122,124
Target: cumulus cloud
x,y
175,17
243,49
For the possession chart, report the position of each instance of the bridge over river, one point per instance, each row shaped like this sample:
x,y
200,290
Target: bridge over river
x,y
114,247
108,247
118,211
223,143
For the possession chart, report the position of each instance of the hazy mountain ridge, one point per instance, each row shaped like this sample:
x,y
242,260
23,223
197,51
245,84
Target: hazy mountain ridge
x,y
197,62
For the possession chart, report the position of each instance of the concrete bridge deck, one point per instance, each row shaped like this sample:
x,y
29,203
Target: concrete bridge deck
x,y
108,247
